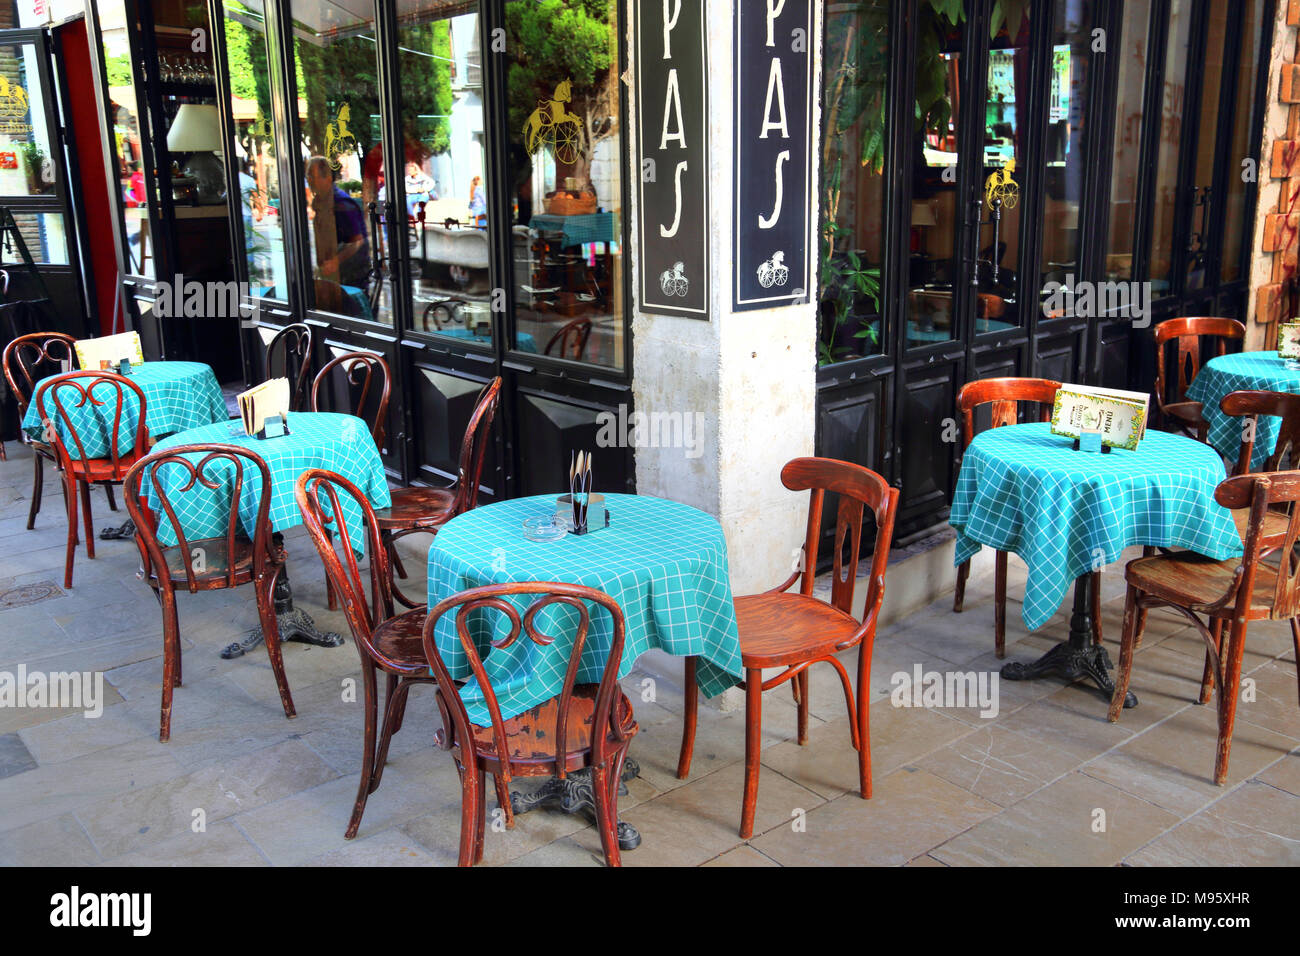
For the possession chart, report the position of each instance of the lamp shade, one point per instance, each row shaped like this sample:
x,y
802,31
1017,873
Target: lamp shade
x,y
196,129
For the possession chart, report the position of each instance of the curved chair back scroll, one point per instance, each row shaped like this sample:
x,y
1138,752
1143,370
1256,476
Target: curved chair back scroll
x,y
1005,395
1187,332
183,467
473,447
365,374
1249,404
858,488
25,356
73,390
491,599
1277,492
294,341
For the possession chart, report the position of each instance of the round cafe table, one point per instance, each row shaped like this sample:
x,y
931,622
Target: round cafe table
x,y
1264,371
666,565
1067,513
338,443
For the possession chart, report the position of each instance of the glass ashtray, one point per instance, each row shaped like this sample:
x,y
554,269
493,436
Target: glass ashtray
x,y
546,527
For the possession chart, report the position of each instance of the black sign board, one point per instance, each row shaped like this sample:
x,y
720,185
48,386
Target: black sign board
x,y
773,185
672,157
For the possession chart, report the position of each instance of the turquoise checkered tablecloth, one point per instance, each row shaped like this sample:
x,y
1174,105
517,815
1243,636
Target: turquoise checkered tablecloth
x,y
665,563
177,396
1231,373
580,229
1066,512
340,443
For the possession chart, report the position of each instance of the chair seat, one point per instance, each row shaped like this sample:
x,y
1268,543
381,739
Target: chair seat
x,y
216,564
777,630
416,508
1275,524
1188,413
1188,579
400,645
531,735
103,469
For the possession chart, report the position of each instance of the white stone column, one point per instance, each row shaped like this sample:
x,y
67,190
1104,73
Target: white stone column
x,y
750,376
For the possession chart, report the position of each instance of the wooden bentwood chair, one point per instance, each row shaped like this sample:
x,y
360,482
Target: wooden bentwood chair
x,y
1187,334
292,346
423,510
386,641
28,359
795,631
1217,595
205,564
364,375
584,726
76,390
1005,395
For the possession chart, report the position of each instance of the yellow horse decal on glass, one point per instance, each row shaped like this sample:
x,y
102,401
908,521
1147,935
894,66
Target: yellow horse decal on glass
x,y
338,137
551,124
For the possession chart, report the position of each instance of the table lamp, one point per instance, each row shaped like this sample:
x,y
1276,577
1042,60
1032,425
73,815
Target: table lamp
x,y
196,130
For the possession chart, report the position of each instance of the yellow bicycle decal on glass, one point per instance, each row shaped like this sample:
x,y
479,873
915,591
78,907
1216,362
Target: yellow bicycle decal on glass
x,y
1000,186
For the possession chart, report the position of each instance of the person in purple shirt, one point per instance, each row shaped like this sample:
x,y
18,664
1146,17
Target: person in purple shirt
x,y
350,263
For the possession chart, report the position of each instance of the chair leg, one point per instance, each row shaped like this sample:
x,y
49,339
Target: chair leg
x,y
1128,640
90,521
1000,604
71,495
480,822
394,705
330,600
1228,698
606,824
1096,607
689,716
503,800
1207,675
801,698
753,747
38,484
394,558
1148,551
112,498
368,754
959,592
271,637
1295,641
171,663
470,797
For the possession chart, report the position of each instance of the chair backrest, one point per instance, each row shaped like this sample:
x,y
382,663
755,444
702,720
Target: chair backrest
x,y
1277,491
858,488
29,358
320,495
364,374
474,446
72,390
1249,405
1005,395
570,341
549,594
1187,333
183,467
294,342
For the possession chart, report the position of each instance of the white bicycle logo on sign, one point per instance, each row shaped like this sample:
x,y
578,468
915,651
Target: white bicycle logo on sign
x,y
774,271
673,281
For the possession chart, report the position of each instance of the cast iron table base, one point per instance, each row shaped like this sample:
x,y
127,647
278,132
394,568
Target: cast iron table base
x,y
1075,659
573,794
294,623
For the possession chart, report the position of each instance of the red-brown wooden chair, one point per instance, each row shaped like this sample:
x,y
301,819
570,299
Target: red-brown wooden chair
x,y
28,359
1264,584
584,726
292,346
205,564
795,631
570,340
423,510
386,642
72,390
363,374
1005,396
1171,392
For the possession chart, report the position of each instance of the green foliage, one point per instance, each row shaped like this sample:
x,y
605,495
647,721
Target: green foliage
x,y
119,70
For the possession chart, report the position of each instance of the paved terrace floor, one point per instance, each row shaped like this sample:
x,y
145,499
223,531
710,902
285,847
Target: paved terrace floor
x,y
1029,786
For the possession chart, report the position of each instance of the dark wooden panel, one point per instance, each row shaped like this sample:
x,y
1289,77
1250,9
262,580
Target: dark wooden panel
x,y
340,396
549,429
928,397
1114,343
444,403
850,423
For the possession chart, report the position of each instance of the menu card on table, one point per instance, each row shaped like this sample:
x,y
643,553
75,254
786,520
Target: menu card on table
x,y
107,351
1120,417
268,400
1288,340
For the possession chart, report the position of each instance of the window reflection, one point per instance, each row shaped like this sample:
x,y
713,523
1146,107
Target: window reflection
x,y
1127,147
128,152
565,188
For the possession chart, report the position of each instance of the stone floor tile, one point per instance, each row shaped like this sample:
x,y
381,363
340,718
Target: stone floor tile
x,y
221,844
1285,774
998,765
390,848
54,841
15,756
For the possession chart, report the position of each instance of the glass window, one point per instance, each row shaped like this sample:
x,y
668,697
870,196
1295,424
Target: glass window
x,y
934,208
1207,145
338,122
27,167
1252,36
1066,129
442,190
565,192
43,235
851,250
1173,103
255,152
126,120
1127,148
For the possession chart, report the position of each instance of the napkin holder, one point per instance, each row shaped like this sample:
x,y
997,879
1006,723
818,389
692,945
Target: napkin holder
x,y
597,516
1090,441
274,426
124,367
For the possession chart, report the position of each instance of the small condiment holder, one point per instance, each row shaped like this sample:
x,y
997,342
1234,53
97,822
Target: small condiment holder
x,y
596,515
1090,440
273,426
